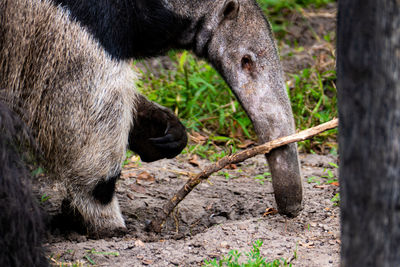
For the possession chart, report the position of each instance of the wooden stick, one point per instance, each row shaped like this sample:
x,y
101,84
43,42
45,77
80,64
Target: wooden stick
x,y
231,159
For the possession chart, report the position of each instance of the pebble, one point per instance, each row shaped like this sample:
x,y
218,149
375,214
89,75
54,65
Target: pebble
x,y
139,243
242,227
224,244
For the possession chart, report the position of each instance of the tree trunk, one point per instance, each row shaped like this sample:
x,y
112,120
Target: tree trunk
x,y
369,131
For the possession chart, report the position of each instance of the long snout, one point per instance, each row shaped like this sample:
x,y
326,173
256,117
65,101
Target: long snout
x,y
244,51
265,100
237,39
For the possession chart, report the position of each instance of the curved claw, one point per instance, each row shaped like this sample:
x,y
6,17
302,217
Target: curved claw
x,y
168,138
167,128
177,145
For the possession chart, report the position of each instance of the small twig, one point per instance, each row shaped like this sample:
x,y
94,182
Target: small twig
x,y
231,159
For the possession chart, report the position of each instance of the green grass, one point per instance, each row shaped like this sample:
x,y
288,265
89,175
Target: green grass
x,y
277,10
327,176
44,198
199,95
336,199
278,5
204,103
55,259
38,171
211,151
253,259
262,178
313,99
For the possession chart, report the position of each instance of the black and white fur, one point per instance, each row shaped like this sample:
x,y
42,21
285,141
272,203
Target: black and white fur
x,y
80,105
234,36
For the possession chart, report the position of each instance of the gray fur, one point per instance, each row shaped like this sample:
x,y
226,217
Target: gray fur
x,y
78,102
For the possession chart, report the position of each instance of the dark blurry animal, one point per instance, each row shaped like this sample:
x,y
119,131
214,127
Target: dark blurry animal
x,y
234,36
21,224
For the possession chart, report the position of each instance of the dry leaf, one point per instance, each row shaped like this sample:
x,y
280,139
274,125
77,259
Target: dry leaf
x,y
198,138
270,211
137,188
147,262
246,143
335,183
133,162
128,174
194,160
131,165
231,167
139,243
322,186
307,245
145,176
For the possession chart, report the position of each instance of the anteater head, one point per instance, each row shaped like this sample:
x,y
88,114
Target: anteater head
x,y
236,38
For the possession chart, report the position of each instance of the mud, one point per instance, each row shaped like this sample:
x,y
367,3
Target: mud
x,y
223,214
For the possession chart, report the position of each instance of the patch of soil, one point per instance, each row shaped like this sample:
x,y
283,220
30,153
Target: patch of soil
x,y
309,41
222,214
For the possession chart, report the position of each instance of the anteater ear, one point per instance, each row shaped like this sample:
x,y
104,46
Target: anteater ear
x,y
229,10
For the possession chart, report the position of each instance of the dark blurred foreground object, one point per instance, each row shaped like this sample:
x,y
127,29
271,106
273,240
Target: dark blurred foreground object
x,y
369,131
21,225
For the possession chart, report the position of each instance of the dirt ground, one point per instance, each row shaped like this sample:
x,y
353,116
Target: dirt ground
x,y
224,214
228,211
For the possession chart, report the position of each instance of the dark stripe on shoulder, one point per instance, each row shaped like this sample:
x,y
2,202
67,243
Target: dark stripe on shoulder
x,y
105,189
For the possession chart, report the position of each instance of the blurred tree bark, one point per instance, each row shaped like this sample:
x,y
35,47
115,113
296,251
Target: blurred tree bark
x,y
369,131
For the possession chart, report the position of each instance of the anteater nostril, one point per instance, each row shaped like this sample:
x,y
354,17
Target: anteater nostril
x,y
247,63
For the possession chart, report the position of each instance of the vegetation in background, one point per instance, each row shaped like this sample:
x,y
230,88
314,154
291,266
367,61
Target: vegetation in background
x,y
336,199
55,259
254,259
328,177
313,97
278,5
204,103
276,11
312,91
198,94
